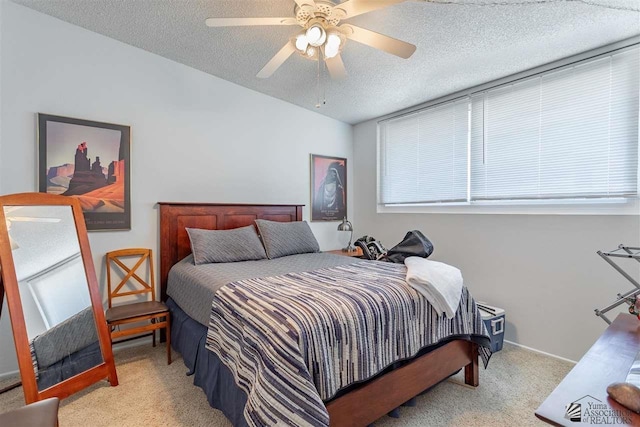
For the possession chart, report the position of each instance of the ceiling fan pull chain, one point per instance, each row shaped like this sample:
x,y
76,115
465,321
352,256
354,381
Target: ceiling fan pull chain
x,y
324,86
321,93
318,105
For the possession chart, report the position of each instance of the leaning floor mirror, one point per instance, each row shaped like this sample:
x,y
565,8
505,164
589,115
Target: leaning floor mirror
x,y
61,337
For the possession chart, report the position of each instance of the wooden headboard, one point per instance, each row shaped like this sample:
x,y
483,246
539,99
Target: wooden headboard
x,y
175,217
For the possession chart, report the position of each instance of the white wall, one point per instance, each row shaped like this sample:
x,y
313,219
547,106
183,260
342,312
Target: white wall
x,y
199,138
194,137
7,357
543,269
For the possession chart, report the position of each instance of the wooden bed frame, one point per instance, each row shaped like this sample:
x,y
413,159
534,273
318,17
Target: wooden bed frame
x,y
363,405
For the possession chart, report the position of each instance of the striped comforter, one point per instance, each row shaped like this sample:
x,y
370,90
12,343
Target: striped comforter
x,y
293,341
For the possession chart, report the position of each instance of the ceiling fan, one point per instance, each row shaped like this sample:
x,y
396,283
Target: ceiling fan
x,y
9,219
322,36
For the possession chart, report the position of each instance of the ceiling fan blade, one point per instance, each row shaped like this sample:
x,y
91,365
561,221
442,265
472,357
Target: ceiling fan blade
x,y
275,62
336,67
247,22
13,244
31,219
357,7
379,41
308,5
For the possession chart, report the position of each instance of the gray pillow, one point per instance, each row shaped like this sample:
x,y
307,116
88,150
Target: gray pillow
x,y
238,244
287,238
77,332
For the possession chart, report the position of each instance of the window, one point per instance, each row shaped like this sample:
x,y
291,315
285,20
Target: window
x,y
424,156
566,134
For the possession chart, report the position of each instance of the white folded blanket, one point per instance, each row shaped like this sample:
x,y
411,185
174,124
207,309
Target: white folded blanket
x,y
440,283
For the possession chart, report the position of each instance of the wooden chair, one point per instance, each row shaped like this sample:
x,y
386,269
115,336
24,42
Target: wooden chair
x,y
156,312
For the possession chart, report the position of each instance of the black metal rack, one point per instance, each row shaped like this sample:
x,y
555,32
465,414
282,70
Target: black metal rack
x,y
629,298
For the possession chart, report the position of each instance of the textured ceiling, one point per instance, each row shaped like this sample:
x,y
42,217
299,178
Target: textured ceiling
x,y
458,45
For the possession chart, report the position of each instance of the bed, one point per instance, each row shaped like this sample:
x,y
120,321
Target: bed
x,y
382,393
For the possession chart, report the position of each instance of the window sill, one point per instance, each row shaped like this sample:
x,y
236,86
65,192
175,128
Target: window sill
x,y
566,207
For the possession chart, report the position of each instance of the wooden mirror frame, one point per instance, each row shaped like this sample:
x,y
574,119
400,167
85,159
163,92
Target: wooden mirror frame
x,y
105,370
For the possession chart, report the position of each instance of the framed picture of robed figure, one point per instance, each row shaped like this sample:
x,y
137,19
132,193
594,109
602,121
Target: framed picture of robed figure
x,y
90,161
328,188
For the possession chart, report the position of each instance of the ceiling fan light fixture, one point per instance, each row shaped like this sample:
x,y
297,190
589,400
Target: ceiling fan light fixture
x,y
331,51
334,40
316,35
302,42
334,44
311,52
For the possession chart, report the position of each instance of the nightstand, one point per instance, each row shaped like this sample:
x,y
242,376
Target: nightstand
x,y
357,253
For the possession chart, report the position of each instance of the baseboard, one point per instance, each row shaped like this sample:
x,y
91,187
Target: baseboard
x,y
541,352
144,340
5,375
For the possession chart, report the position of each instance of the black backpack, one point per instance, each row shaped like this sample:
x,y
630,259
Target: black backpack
x,y
414,244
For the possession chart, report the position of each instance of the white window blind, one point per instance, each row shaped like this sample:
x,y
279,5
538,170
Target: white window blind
x,y
423,156
569,133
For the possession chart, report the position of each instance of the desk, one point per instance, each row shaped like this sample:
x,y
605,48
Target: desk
x,y
608,361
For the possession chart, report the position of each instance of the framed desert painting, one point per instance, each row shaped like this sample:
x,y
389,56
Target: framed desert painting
x,y
328,188
88,160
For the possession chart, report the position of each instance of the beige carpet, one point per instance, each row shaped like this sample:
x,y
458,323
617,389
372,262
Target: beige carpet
x,y
153,394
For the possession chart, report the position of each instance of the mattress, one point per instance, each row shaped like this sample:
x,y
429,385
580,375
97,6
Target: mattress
x,y
193,287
